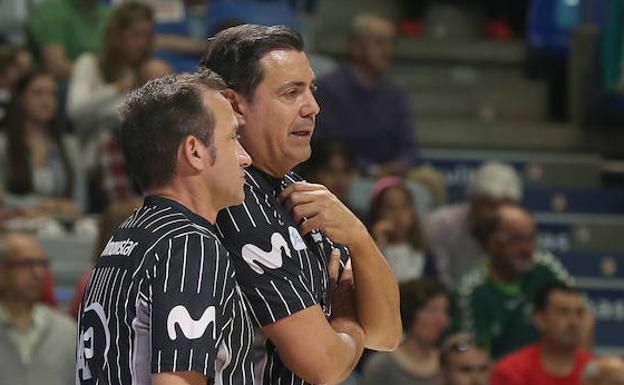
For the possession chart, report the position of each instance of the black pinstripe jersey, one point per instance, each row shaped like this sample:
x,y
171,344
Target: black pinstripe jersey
x,y
163,298
280,271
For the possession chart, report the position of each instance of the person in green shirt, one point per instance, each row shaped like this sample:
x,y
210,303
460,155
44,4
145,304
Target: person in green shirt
x,y
494,299
61,30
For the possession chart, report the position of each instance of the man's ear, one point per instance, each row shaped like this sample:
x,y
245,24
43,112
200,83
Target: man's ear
x,y
193,152
538,321
238,103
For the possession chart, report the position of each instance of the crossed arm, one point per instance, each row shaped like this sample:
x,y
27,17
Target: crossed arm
x,y
376,289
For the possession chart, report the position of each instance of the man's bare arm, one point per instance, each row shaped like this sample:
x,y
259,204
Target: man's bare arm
x,y
316,350
179,378
377,292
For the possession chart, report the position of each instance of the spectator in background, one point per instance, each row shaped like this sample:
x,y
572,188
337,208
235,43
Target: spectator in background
x,y
113,182
463,361
496,297
14,63
604,371
331,165
363,108
424,314
556,359
61,30
100,80
39,158
397,230
451,229
36,342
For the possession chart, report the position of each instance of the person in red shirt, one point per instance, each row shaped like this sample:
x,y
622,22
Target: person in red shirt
x,y
555,359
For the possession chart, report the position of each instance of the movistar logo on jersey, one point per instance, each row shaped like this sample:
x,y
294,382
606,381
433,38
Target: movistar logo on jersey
x,y
191,328
257,258
119,247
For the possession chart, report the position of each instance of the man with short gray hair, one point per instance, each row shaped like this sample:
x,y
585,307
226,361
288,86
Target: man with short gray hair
x,y
451,229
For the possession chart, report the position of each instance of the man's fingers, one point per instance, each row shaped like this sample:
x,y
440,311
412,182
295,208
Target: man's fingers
x,y
305,211
347,273
297,198
334,267
309,225
299,186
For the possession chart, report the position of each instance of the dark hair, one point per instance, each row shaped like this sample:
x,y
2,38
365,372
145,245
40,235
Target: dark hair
x,y
322,153
489,226
234,53
417,236
543,294
122,18
158,116
415,294
20,174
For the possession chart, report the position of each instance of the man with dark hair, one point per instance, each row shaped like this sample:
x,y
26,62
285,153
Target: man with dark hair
x,y
36,342
494,299
282,236
363,107
162,305
463,361
556,358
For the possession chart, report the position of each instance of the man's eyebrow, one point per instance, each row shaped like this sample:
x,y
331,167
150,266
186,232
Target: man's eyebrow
x,y
295,83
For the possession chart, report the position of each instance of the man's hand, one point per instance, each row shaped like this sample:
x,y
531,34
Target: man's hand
x,y
319,209
341,288
375,290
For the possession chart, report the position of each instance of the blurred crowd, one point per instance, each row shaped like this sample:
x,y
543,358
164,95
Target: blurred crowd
x,y
480,303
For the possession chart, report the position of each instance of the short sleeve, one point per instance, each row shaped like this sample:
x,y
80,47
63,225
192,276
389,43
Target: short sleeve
x,y
190,277
270,259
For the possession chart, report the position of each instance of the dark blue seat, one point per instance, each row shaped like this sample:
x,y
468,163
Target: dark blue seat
x,y
574,200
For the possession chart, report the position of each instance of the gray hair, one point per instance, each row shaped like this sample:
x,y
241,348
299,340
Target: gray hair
x,y
360,22
495,180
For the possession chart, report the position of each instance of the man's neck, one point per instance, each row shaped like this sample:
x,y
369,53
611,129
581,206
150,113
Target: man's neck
x,y
19,311
556,360
366,76
500,274
190,196
275,172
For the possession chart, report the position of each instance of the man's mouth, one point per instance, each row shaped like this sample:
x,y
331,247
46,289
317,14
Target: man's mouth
x,y
302,133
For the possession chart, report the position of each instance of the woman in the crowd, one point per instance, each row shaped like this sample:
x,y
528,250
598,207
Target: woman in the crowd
x,y
397,229
424,314
99,81
40,167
